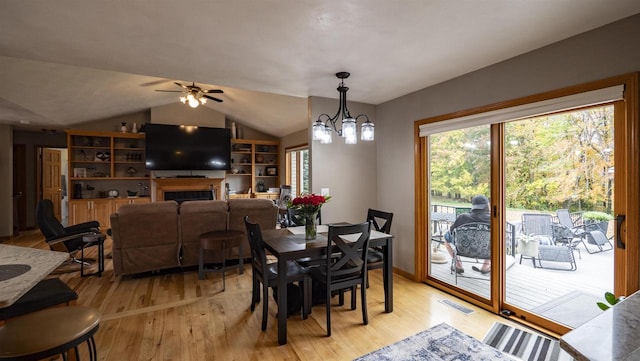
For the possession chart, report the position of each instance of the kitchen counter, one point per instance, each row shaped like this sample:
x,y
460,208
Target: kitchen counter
x,y
21,268
613,335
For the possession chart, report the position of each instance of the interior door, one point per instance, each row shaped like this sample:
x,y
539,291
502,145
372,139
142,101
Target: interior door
x,y
51,179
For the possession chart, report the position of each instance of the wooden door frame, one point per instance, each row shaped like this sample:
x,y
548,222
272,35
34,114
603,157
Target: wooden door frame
x,y
626,260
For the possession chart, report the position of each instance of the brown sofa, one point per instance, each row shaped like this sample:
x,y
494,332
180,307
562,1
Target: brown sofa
x,y
161,235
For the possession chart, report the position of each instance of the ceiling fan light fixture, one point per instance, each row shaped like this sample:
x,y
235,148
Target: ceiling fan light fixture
x,y
193,102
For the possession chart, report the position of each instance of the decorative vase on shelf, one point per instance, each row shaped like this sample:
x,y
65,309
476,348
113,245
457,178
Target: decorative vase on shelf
x,y
123,127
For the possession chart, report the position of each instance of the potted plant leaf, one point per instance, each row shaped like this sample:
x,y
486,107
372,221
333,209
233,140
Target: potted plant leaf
x,y
611,299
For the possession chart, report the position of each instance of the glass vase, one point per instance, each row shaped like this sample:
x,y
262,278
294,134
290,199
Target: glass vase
x,y
310,226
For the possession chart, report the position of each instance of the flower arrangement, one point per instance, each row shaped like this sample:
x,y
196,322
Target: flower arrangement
x,y
308,206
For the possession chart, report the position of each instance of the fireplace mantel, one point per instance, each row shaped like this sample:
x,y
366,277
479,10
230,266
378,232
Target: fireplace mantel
x,y
188,184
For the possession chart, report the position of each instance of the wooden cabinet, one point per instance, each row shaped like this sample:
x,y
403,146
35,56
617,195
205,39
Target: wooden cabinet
x,y
100,162
85,210
255,168
121,201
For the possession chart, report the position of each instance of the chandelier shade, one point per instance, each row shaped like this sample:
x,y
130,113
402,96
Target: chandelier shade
x,y
323,128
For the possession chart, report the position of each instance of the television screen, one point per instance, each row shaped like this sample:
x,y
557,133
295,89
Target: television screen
x,y
178,147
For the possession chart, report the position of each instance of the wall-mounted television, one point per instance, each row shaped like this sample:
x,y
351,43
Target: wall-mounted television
x,y
179,147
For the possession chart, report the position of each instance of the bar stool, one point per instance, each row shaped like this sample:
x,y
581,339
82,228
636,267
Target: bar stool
x,y
220,240
49,332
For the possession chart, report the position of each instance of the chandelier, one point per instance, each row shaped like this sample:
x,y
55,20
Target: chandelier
x,y
324,127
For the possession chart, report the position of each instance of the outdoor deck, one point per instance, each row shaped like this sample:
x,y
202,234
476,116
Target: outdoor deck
x,y
541,289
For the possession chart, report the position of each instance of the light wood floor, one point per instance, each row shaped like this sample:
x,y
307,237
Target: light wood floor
x,y
175,316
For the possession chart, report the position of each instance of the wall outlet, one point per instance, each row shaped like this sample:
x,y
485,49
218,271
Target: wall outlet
x,y
324,192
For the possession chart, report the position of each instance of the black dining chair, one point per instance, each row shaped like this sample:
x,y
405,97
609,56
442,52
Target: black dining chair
x,y
267,274
347,267
381,222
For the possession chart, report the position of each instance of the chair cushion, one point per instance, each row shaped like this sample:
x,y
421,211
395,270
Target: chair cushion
x,y
374,256
45,294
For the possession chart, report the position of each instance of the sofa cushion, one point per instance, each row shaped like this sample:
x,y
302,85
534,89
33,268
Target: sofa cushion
x,y
145,237
197,217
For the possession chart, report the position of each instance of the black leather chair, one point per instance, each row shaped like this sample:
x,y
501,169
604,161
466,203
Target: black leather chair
x,y
267,274
347,266
65,239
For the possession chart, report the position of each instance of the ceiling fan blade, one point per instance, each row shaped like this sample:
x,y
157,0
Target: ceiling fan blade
x,y
180,85
212,98
218,91
170,91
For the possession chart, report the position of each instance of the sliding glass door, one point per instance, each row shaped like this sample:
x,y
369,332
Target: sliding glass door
x,y
459,163
559,176
563,196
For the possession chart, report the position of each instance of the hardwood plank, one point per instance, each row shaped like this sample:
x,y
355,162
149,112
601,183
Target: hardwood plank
x,y
175,316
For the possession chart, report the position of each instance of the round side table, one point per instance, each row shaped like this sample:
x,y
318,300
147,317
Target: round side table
x,y
88,241
223,240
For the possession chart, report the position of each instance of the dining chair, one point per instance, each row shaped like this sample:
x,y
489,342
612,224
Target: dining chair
x,y
347,267
267,274
381,222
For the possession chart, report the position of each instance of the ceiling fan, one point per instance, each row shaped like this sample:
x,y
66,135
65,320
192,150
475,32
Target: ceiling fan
x,y
194,95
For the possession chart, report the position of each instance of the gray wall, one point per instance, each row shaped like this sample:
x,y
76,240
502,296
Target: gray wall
x,y
349,171
604,52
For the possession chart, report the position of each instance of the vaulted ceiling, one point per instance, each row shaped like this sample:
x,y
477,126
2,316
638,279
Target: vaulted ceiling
x,y
66,62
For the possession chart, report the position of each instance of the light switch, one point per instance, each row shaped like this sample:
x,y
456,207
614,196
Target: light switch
x,y
324,191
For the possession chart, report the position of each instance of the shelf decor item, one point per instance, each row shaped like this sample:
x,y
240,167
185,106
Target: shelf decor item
x,y
308,206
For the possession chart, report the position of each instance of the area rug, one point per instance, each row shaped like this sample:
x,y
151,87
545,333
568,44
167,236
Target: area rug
x,y
439,343
572,309
525,345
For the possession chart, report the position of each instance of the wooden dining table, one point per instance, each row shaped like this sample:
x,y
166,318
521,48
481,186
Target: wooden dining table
x,y
289,244
21,268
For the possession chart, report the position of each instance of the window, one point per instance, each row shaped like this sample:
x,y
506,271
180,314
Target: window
x,y
297,169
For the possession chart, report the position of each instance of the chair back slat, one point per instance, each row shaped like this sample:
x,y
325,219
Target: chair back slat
x,y
348,255
258,254
380,220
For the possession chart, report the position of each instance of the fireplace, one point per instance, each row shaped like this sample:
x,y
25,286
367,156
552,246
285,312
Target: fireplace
x,y
185,189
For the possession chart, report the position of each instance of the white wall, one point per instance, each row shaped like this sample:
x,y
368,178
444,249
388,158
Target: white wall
x,y
6,181
349,171
608,51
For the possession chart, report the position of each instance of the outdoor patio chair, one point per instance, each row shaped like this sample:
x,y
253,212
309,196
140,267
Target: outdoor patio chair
x,y
566,231
472,240
597,238
539,226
